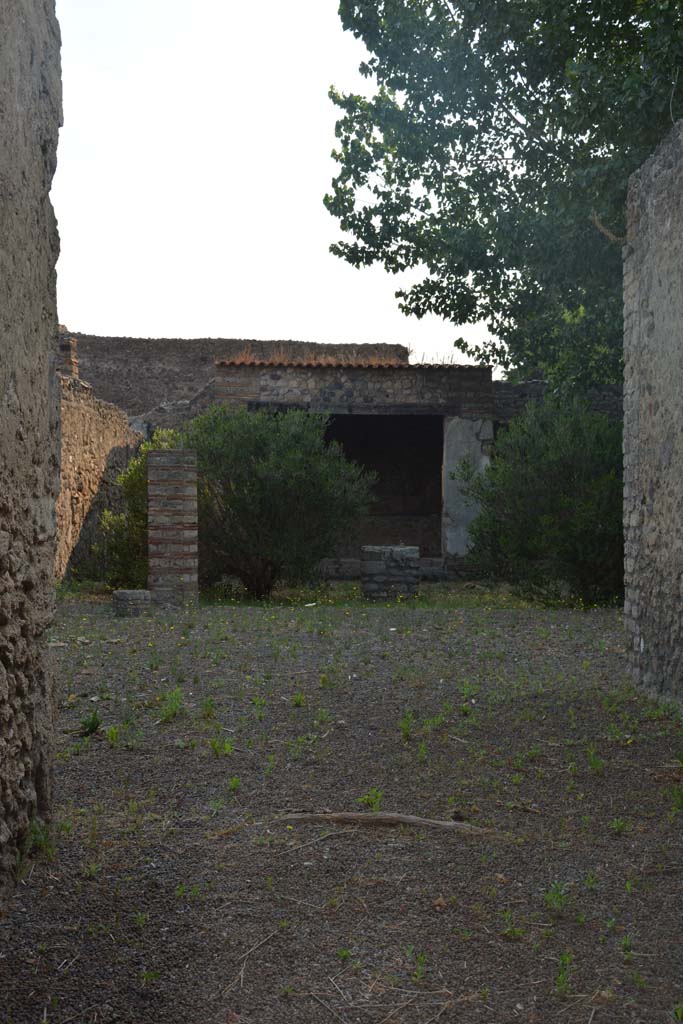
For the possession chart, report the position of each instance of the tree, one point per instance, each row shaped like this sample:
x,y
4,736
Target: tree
x,y
551,501
274,497
494,152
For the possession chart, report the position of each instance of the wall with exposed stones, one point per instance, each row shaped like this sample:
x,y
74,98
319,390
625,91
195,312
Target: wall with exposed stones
x,y
97,443
653,419
509,399
137,373
30,114
360,390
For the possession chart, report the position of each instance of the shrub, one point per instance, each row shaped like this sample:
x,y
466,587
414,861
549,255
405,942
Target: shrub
x,y
551,501
274,497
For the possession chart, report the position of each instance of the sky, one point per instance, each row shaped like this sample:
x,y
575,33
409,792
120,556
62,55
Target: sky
x,y
193,161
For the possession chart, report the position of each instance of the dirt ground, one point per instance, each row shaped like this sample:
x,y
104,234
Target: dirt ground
x,y
167,891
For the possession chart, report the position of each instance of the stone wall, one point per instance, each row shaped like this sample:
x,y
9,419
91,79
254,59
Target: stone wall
x,y
361,390
653,419
97,444
30,114
136,373
510,399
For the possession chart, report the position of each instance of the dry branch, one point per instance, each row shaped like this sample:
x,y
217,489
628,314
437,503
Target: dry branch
x,y
384,819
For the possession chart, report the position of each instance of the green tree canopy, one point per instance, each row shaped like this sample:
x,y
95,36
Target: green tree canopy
x,y
494,152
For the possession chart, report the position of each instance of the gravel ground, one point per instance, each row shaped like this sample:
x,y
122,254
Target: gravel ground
x,y
168,891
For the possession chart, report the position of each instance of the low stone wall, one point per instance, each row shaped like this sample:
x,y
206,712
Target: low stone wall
x,y
653,423
361,390
387,573
30,113
97,444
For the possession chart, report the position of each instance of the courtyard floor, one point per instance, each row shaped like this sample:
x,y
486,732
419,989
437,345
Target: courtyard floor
x,y
168,891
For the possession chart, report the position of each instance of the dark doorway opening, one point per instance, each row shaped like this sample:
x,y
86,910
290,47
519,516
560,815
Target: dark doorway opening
x,y
406,453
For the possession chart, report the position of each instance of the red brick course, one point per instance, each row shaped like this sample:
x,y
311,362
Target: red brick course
x,y
172,531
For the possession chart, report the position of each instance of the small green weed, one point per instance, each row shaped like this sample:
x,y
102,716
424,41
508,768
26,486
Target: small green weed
x,y
564,972
221,748
420,967
113,735
259,704
420,960
557,897
296,747
91,724
675,794
595,762
511,932
171,704
406,725
372,799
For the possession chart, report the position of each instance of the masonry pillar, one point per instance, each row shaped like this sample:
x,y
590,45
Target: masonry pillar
x,y
172,526
67,356
462,439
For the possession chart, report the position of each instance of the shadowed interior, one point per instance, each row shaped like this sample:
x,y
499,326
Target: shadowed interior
x,y
406,454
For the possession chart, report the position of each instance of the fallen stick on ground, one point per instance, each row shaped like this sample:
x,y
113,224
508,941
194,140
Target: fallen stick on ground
x,y
385,819
244,958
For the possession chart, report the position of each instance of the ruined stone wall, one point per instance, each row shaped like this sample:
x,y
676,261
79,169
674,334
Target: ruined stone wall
x,y
653,419
424,390
30,114
97,444
510,399
137,373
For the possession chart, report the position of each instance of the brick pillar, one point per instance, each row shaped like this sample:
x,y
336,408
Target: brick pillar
x,y
172,527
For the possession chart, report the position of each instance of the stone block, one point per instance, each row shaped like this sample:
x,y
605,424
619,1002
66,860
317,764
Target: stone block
x,y
389,572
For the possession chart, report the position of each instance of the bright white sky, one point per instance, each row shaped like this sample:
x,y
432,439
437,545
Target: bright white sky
x,y
192,166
